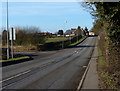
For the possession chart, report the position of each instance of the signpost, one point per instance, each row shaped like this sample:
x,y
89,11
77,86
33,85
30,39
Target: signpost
x,y
12,37
10,34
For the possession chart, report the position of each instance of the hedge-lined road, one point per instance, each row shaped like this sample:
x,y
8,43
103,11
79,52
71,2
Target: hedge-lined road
x,y
50,70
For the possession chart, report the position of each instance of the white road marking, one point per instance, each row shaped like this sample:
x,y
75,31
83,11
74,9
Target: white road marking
x,y
23,73
46,64
15,76
83,77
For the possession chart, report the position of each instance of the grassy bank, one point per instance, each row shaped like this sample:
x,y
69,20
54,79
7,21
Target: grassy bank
x,y
56,39
57,45
15,59
107,81
54,44
75,43
25,48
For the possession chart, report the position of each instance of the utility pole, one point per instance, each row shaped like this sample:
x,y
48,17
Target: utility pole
x,y
7,25
70,38
78,31
63,34
77,34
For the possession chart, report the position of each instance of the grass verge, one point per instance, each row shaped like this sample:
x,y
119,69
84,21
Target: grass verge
x,y
75,43
55,39
15,59
106,80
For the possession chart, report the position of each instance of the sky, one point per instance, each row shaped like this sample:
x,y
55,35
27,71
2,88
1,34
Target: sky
x,y
48,16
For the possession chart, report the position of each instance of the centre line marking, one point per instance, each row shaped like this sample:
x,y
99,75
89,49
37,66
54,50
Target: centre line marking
x,y
15,76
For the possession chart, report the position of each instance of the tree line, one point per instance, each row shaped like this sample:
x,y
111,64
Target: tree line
x,y
107,26
25,36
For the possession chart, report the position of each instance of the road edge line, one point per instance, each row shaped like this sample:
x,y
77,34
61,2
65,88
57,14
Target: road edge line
x,y
83,77
86,70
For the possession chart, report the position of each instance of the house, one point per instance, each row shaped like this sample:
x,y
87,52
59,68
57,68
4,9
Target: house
x,y
67,33
73,32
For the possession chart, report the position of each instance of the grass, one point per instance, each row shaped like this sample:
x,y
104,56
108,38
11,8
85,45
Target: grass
x,y
75,43
101,58
56,39
24,48
14,59
106,80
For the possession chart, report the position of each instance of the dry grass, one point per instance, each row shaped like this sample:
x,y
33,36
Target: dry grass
x,y
107,63
107,81
25,48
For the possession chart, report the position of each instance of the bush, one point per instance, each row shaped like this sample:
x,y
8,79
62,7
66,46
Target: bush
x,y
57,45
25,36
4,53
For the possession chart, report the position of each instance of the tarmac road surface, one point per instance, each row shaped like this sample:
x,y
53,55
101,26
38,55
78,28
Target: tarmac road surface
x,y
60,69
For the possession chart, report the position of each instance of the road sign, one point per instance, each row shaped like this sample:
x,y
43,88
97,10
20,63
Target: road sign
x,y
12,34
12,37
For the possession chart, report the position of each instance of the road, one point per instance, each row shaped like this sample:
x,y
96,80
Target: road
x,y
60,69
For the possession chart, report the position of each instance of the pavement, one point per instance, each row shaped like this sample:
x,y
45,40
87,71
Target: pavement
x,y
91,79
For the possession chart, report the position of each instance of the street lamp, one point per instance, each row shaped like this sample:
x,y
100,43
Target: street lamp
x,y
7,25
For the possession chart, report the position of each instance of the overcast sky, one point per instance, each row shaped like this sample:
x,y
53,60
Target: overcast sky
x,y
48,16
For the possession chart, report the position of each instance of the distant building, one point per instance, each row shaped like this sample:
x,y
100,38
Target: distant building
x,y
54,35
70,32
67,33
78,31
91,33
47,34
86,31
73,32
